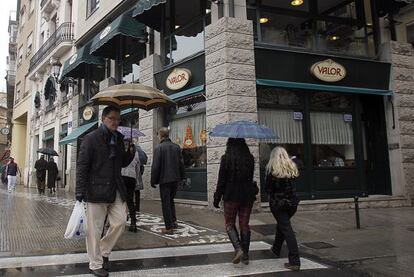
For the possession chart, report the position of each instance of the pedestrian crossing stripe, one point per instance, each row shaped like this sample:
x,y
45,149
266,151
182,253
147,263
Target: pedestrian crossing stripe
x,y
218,270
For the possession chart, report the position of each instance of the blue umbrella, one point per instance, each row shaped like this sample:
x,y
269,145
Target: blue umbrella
x,y
243,129
129,132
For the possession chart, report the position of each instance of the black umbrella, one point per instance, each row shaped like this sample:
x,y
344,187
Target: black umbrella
x,y
47,151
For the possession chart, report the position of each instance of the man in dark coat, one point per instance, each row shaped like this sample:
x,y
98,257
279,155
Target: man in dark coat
x,y
167,170
99,183
52,173
41,166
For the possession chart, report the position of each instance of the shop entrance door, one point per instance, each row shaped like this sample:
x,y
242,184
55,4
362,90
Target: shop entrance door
x,y
377,160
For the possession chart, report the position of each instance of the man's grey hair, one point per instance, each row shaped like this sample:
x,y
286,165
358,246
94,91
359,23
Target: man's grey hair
x,y
164,132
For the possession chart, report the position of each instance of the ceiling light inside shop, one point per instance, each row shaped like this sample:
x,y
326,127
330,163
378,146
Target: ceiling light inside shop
x,y
127,55
296,2
263,20
177,26
334,38
208,11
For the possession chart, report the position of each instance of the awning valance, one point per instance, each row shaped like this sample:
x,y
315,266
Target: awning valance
x,y
320,87
106,43
77,133
185,93
149,13
76,65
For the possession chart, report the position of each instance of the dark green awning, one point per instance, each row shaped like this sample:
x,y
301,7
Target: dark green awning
x,y
149,13
328,88
77,133
106,43
76,65
187,93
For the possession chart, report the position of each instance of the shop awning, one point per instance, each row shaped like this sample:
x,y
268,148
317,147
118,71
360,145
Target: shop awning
x,y
48,138
129,110
149,13
106,43
77,133
320,87
185,93
76,65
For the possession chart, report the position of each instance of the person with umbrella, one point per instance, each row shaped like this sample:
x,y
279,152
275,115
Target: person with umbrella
x,y
235,183
52,173
41,167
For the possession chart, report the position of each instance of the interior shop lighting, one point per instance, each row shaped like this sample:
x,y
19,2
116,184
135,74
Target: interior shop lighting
x,y
263,20
296,3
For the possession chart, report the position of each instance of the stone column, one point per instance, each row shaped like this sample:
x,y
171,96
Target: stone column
x,y
401,55
149,122
230,87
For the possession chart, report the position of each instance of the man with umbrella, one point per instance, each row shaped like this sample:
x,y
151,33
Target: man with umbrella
x,y
99,183
41,166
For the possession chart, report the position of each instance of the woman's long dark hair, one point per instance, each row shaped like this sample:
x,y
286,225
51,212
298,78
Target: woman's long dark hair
x,y
238,155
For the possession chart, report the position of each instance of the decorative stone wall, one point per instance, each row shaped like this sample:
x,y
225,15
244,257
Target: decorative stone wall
x,y
401,55
230,87
149,122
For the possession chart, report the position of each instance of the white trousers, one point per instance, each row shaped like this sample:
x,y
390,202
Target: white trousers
x,y
11,182
95,217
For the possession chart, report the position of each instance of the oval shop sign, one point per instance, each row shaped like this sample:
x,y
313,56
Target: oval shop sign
x,y
328,71
178,78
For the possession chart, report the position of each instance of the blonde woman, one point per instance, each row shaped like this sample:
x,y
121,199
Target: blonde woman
x,y
281,172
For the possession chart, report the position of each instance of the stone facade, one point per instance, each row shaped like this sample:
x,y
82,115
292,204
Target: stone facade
x,y
230,87
401,56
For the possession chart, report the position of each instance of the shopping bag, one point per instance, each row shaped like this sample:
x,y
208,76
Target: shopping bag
x,y
77,222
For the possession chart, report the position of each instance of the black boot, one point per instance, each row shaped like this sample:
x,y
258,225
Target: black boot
x,y
234,238
245,244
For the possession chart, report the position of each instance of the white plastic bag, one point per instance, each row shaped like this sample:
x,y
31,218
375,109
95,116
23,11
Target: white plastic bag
x,y
77,222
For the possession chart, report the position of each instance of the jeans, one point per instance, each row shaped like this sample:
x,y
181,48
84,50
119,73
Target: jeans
x,y
284,232
167,193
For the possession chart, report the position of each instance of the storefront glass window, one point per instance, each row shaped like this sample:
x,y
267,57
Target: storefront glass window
x,y
331,100
332,139
190,134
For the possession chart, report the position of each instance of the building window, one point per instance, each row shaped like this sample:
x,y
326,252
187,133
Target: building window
x,y
20,54
327,26
183,31
31,6
29,44
91,6
410,33
128,65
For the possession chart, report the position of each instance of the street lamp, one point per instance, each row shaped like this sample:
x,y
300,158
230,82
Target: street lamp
x,y
56,69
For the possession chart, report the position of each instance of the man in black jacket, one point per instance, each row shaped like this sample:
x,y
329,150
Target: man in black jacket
x,y
167,170
100,185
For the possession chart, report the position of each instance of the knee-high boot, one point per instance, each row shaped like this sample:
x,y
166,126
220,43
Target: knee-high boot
x,y
245,244
234,238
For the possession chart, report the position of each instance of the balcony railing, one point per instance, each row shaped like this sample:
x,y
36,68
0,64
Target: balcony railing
x,y
62,34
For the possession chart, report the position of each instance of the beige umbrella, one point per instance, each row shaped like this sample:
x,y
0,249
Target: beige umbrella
x,y
132,95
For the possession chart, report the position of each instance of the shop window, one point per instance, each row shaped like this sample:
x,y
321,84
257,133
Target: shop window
x,y
332,139
128,67
275,96
183,30
329,26
331,101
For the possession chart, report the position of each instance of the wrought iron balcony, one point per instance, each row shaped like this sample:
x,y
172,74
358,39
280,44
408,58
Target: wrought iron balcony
x,y
63,34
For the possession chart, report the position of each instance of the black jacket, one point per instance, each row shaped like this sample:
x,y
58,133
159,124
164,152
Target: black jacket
x,y
41,166
236,185
99,176
281,188
167,164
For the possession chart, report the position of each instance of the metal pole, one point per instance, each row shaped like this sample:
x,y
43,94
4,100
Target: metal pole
x,y
358,224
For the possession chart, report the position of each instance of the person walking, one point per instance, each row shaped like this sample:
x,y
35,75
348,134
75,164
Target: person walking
x,y
52,173
99,183
281,172
11,171
143,159
41,167
235,185
167,170
133,182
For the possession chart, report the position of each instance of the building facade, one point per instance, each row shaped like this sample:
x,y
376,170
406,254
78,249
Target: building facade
x,y
324,75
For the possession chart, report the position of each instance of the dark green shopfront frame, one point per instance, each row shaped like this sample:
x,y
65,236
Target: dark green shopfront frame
x,y
316,183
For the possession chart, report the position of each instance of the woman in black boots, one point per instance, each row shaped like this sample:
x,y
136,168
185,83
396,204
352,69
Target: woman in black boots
x,y
281,172
235,185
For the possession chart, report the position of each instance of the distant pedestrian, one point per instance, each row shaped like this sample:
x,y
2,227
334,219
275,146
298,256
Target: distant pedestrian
x,y
235,185
167,170
52,173
99,183
281,172
41,167
133,182
143,159
11,171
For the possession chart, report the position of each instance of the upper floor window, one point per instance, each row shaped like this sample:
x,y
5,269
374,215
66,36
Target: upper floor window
x,y
338,26
183,28
20,54
31,6
29,44
410,33
91,6
22,17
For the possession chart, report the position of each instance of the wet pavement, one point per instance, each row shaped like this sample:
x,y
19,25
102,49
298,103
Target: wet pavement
x,y
32,244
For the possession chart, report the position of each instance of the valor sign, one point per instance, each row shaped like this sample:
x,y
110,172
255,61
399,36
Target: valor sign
x,y
328,71
178,78
88,113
